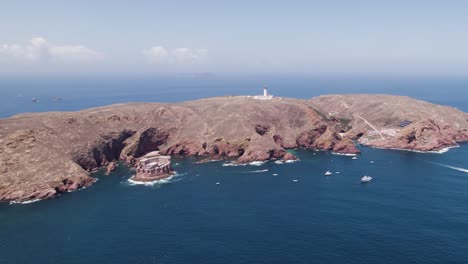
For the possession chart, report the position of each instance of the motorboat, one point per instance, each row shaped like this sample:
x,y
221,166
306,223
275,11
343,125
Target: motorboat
x,y
366,179
328,173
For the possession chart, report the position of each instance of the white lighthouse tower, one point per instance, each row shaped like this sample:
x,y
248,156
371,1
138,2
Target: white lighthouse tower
x,y
265,95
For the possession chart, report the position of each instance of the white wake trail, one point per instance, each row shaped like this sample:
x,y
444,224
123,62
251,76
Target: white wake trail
x,y
452,167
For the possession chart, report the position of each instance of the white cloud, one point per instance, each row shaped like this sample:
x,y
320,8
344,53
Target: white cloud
x,y
157,55
182,56
40,50
189,56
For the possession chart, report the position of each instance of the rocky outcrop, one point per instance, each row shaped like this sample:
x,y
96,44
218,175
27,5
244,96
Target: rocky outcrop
x,y
345,146
111,167
324,138
396,122
45,154
425,135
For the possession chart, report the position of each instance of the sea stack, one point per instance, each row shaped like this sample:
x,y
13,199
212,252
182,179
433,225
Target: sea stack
x,y
153,166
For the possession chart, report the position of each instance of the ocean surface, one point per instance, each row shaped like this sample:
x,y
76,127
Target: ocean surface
x,y
414,211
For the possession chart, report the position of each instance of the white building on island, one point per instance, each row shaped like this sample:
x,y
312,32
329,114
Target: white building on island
x,y
265,95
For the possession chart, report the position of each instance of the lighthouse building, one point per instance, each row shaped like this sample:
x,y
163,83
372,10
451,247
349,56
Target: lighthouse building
x,y
265,95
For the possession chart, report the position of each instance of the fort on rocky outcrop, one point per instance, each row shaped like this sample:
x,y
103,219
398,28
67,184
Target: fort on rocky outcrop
x,y
153,166
45,154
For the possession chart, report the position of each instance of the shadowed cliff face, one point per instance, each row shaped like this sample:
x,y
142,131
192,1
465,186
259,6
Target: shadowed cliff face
x,y
45,154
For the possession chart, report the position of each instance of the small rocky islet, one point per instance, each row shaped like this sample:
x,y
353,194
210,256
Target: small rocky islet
x,y
45,154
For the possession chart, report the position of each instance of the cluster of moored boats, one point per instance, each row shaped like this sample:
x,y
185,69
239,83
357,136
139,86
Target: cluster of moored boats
x,y
364,179
55,98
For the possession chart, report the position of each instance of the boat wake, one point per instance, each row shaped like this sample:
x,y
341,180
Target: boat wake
x,y
256,171
344,154
452,167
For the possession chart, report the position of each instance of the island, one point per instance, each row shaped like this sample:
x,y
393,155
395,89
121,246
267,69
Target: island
x,y
45,154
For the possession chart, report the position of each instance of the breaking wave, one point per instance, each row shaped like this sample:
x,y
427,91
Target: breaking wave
x,y
441,151
283,162
253,163
171,179
26,202
256,163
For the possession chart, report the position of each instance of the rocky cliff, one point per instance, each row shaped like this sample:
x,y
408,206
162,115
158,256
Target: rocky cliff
x,y
397,122
45,154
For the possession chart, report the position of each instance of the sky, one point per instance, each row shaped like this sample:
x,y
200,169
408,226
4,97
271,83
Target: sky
x,y
396,37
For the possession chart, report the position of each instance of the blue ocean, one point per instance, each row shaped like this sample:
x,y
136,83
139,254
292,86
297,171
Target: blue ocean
x,y
414,211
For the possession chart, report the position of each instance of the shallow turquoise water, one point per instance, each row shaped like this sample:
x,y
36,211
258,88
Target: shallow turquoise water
x,y
415,211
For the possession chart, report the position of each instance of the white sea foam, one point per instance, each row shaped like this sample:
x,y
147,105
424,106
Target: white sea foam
x,y
253,163
444,150
26,202
283,162
156,182
344,154
206,161
232,164
257,163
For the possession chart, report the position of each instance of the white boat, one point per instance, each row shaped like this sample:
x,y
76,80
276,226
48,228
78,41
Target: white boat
x,y
328,173
275,174
217,183
354,158
366,179
295,180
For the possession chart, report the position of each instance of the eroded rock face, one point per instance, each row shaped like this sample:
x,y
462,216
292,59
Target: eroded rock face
x,y
105,149
307,139
425,135
382,121
26,161
45,154
345,146
111,167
